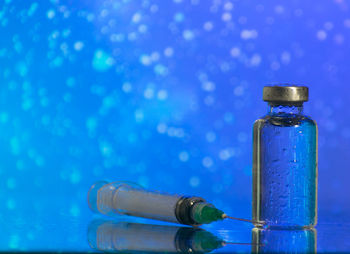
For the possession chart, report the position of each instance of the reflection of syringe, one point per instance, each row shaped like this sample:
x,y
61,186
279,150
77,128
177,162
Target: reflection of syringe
x,y
128,199
142,238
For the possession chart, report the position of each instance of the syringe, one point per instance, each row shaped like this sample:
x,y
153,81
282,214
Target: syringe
x,y
129,199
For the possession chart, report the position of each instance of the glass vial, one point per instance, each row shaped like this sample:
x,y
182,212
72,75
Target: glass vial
x,y
285,161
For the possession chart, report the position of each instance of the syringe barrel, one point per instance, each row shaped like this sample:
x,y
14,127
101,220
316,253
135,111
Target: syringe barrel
x,y
125,198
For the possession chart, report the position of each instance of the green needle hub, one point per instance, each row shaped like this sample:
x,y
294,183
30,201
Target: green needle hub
x,y
204,213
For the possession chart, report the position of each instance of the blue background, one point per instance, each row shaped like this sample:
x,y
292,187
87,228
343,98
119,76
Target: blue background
x,y
162,93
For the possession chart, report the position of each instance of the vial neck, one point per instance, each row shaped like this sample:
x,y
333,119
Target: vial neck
x,y
275,109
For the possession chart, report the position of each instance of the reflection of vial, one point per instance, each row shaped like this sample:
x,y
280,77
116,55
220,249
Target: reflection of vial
x,y
285,161
284,240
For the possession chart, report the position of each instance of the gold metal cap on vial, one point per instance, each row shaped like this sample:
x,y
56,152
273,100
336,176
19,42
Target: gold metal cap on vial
x,y
286,94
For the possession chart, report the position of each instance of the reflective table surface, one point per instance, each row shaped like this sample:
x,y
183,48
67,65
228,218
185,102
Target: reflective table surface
x,y
62,228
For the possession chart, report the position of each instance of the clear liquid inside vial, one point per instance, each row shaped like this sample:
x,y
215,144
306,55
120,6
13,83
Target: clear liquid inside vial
x,y
285,169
